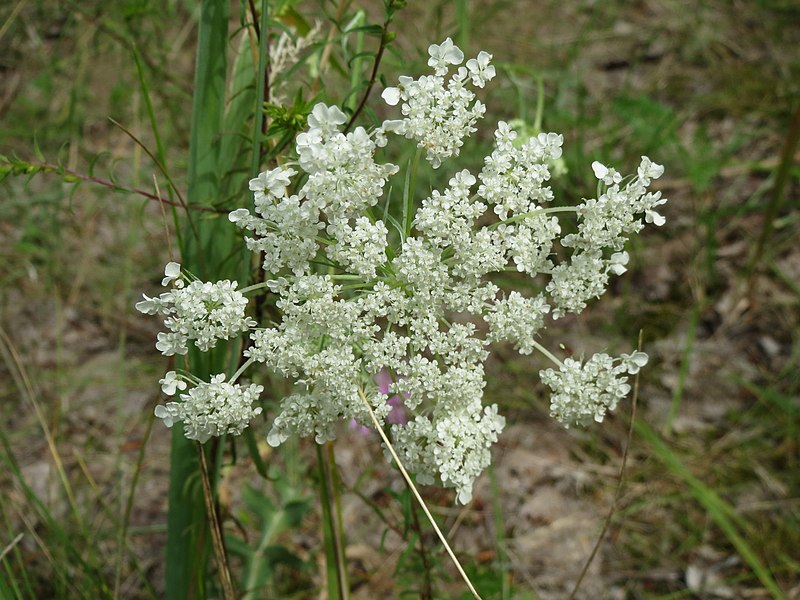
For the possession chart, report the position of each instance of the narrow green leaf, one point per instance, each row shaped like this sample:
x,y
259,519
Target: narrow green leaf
x,y
408,194
373,29
187,538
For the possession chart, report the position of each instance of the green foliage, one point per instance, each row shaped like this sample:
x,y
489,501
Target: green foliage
x,y
288,120
269,568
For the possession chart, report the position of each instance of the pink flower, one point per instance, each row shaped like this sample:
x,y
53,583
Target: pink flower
x,y
396,416
359,428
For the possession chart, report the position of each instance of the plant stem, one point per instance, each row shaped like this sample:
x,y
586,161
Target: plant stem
x,y
260,124
417,495
547,353
427,587
241,370
385,39
334,546
71,176
254,287
620,481
216,528
538,211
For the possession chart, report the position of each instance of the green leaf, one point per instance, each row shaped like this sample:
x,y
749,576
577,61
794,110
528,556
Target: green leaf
x,y
375,30
187,540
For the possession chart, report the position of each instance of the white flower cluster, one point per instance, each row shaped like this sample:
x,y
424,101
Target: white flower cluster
x,y
439,117
200,311
584,393
605,222
412,304
209,409
343,181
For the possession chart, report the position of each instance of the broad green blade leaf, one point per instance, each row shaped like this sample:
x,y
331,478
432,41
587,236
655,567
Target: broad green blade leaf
x,y
187,538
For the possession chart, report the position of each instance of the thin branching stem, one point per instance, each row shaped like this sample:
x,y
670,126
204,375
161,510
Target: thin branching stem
x,y
547,353
620,482
417,495
162,168
46,167
216,529
152,157
427,588
385,39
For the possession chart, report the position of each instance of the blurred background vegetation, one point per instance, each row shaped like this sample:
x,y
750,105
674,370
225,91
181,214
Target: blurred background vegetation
x,y
709,505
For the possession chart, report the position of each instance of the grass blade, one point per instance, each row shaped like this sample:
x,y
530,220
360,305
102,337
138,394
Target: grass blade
x,y
722,513
187,538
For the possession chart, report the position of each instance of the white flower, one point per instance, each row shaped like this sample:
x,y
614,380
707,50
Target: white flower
x,y
513,178
172,272
326,118
634,362
171,343
551,142
600,170
444,54
360,249
169,414
171,383
651,216
403,295
480,71
438,114
605,174
583,393
617,262
518,320
272,183
649,170
573,284
213,408
391,96
238,215
202,311
151,306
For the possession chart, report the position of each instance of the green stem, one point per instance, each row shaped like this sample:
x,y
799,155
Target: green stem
x,y
335,563
216,527
547,353
253,288
260,121
409,192
207,255
241,370
533,213
537,122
